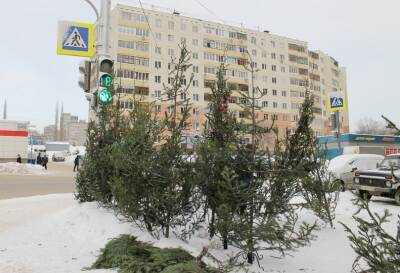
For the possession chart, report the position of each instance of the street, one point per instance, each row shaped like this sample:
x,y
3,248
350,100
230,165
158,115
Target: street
x,y
60,179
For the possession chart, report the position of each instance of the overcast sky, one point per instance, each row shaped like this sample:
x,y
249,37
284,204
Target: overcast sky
x,y
363,35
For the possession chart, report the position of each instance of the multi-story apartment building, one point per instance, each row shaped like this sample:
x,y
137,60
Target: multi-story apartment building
x,y
143,43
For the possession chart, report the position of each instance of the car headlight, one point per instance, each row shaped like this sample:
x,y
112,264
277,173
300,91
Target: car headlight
x,y
388,183
357,180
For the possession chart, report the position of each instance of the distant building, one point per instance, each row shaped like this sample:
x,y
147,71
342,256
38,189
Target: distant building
x,y
13,140
360,144
72,129
49,133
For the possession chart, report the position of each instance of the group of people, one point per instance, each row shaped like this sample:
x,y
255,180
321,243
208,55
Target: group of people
x,y
43,160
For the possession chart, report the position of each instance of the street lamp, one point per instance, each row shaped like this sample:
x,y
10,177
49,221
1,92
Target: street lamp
x,y
31,141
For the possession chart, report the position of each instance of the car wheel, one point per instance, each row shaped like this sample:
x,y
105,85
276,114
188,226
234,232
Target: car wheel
x,y
365,195
342,187
397,196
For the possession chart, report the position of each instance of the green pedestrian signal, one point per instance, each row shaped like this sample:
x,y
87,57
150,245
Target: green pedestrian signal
x,y
105,96
106,80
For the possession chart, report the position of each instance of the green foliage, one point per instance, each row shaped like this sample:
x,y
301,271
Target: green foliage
x,y
92,181
375,247
132,256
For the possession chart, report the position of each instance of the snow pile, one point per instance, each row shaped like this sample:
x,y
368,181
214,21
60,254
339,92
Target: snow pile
x,y
53,233
17,168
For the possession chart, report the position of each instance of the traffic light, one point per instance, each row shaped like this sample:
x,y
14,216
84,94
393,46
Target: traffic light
x,y
106,70
84,80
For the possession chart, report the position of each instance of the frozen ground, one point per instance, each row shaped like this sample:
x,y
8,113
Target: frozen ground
x,y
53,233
17,168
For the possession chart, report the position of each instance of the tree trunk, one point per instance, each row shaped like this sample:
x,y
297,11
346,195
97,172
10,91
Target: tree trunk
x,y
212,224
225,243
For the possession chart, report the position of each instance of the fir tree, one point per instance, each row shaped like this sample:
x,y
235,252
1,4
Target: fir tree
x,y
173,174
376,248
92,182
266,219
133,159
305,157
215,155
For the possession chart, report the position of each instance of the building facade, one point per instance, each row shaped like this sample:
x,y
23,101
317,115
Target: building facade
x,y
14,140
143,44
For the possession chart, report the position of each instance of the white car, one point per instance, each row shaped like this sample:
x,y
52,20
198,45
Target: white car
x,y
343,167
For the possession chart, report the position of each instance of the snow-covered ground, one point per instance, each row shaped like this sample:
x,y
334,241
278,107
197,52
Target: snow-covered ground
x,y
17,168
53,233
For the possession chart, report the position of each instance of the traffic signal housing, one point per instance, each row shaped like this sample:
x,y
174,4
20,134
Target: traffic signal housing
x,y
84,79
106,70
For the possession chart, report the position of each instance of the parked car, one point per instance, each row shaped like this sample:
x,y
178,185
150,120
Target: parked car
x,y
343,167
58,157
384,180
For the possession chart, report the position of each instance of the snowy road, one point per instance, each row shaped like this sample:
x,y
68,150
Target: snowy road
x,y
55,234
58,179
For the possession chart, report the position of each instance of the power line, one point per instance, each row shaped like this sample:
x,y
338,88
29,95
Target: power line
x,y
151,30
210,11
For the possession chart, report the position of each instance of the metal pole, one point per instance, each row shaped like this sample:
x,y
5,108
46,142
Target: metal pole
x,y
105,27
338,129
94,8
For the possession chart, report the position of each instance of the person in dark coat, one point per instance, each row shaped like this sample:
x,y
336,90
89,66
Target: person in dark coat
x,y
76,163
45,159
19,159
39,159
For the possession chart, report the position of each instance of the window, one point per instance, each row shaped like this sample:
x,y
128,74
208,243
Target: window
x,y
195,69
264,78
273,56
183,27
274,92
284,105
264,104
183,40
170,52
157,108
282,58
183,96
158,22
195,97
171,25
219,32
253,40
273,44
264,54
273,80
170,38
265,116
157,79
208,30
157,50
275,104
273,67
195,83
195,55
297,59
157,93
195,29
284,94
157,64
264,66
195,42
283,69
298,48
254,52
265,91
158,36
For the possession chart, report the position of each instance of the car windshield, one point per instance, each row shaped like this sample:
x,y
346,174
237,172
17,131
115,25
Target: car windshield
x,y
388,163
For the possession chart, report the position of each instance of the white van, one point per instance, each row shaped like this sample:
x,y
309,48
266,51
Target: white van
x,y
343,167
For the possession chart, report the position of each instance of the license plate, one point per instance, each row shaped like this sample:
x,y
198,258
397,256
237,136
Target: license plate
x,y
368,188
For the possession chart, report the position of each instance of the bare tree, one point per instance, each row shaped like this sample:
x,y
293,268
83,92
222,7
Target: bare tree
x,y
372,126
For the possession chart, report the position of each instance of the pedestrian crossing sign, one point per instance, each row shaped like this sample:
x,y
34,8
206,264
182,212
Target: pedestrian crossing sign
x,y
336,101
75,39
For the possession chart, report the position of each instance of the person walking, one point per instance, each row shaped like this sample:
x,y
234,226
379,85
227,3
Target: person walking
x,y
45,160
39,159
76,163
19,159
